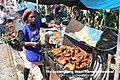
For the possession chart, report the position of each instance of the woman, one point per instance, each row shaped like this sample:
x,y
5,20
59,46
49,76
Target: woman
x,y
29,38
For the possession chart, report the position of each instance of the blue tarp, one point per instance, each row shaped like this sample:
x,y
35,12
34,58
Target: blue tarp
x,y
102,4
24,5
94,33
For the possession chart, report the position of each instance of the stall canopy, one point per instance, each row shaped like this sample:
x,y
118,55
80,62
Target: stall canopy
x,y
65,2
91,4
101,4
50,2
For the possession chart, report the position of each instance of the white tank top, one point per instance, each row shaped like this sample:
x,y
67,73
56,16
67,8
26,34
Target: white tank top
x,y
2,16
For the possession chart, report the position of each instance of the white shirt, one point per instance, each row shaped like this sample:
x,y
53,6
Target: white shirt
x,y
2,16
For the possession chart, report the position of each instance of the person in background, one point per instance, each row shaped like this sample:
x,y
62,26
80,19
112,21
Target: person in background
x,y
11,3
20,2
3,18
30,40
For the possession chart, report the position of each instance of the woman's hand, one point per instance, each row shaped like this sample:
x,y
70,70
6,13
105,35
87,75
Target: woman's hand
x,y
50,25
34,43
55,25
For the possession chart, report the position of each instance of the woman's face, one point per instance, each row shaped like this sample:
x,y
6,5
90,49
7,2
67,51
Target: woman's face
x,y
31,18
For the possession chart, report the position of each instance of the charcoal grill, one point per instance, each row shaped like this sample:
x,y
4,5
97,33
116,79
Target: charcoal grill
x,y
98,64
98,67
97,70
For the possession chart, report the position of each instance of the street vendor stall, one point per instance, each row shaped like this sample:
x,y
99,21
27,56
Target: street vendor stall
x,y
106,4
10,28
98,63
90,45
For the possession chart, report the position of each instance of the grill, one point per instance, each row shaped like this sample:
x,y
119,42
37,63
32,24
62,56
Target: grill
x,y
98,67
108,40
97,70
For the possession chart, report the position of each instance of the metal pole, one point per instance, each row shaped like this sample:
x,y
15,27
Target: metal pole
x,y
46,9
104,17
37,5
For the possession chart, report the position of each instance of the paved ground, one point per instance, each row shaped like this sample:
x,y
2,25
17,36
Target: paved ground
x,y
12,65
7,71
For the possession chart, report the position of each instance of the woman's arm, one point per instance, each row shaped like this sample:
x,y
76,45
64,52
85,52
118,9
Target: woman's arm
x,y
50,25
21,37
22,42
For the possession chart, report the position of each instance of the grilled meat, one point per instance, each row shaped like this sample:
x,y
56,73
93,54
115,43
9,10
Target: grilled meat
x,y
72,57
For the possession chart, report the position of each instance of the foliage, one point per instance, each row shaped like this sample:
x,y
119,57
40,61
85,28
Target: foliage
x,y
98,18
112,19
6,40
14,43
91,17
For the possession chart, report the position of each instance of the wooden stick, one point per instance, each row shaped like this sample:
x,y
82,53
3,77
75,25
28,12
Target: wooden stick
x,y
117,63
